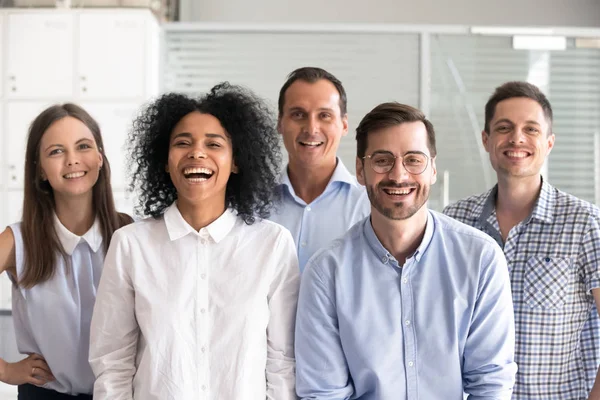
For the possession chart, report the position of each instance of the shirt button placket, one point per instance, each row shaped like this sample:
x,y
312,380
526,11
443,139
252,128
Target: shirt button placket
x,y
303,241
409,330
202,316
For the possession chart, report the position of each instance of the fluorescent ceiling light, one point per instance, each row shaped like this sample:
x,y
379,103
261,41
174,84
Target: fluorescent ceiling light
x,y
509,30
521,42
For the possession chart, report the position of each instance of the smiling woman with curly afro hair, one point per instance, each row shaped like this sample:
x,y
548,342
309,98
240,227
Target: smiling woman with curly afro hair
x,y
253,134
207,284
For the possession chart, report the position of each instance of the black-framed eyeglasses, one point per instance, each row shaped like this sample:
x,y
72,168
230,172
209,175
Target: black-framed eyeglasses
x,y
382,162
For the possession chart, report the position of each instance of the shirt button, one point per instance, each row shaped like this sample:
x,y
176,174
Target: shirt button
x,y
410,363
405,280
407,322
308,208
303,244
203,349
384,259
202,241
203,276
203,387
202,310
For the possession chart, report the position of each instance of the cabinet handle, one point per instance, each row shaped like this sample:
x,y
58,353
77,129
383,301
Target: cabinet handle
x,y
14,89
84,89
83,78
14,177
11,167
12,77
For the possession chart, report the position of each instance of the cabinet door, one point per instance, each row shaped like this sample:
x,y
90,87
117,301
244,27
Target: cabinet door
x,y
39,55
2,49
115,120
14,206
19,116
3,213
4,151
111,49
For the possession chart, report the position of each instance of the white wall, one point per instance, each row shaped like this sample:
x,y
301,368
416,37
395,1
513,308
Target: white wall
x,y
579,13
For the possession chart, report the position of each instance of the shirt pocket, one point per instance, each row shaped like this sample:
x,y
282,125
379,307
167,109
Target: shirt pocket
x,y
546,282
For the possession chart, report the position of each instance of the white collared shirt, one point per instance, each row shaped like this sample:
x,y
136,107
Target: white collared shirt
x,y
183,314
53,317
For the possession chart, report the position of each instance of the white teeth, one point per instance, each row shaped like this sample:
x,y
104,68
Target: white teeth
x,y
398,191
516,154
311,143
74,175
196,180
188,171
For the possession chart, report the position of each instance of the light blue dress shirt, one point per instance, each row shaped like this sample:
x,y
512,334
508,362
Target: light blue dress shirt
x,y
368,328
343,203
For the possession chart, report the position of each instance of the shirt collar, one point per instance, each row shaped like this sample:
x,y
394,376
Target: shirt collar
x,y
385,255
340,174
177,227
69,240
542,210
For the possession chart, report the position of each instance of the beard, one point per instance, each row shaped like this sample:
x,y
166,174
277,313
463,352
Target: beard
x,y
400,210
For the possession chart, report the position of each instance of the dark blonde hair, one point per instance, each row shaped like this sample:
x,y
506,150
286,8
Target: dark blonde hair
x,y
41,243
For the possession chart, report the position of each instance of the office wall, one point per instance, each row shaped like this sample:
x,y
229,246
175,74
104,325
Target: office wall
x,y
579,13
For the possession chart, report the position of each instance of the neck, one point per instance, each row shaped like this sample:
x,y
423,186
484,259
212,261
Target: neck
x,y
400,237
517,197
310,182
75,213
200,215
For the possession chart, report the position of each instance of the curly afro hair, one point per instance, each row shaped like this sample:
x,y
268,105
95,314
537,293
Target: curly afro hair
x,y
256,149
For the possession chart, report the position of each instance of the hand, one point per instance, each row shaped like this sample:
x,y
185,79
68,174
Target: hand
x,y
32,369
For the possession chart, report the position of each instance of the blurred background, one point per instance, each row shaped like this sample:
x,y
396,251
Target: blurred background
x,y
446,58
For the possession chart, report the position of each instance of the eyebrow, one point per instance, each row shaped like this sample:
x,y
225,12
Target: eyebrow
x,y
298,108
77,142
407,153
189,136
216,136
506,120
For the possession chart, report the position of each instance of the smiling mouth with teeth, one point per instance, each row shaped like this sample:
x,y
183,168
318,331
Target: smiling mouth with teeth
x,y
74,175
197,174
398,192
311,144
516,154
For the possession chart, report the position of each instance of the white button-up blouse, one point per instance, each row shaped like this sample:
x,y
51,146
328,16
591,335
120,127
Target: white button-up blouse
x,y
182,314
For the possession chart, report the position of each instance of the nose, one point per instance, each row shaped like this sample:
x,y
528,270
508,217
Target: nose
x,y
517,136
196,154
398,173
312,125
72,161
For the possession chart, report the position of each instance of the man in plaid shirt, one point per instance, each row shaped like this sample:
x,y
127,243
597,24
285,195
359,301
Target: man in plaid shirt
x,y
551,240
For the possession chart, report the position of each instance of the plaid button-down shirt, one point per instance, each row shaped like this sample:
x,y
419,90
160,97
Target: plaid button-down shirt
x,y
554,262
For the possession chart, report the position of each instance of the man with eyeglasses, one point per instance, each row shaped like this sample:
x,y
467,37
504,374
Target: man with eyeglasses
x,y
551,241
319,200
408,304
